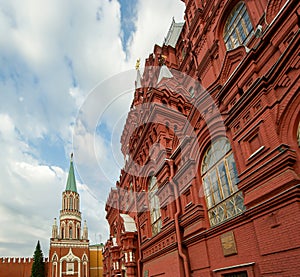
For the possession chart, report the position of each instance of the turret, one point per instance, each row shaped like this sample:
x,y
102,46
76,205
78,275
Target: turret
x,y
54,230
85,231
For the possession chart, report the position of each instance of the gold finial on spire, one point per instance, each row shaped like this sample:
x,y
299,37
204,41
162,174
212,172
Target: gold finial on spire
x,y
137,65
162,59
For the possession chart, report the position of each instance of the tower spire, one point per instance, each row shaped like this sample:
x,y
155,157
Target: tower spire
x,y
71,182
67,242
138,83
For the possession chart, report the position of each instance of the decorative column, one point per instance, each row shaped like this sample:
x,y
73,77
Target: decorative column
x,y
115,254
128,246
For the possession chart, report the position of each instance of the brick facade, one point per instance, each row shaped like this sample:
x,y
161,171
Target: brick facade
x,y
227,89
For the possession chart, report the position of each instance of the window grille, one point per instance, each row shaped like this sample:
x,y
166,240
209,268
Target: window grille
x,y
238,27
220,179
154,206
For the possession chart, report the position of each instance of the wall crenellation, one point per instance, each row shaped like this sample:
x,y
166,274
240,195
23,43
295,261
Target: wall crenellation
x,y
18,260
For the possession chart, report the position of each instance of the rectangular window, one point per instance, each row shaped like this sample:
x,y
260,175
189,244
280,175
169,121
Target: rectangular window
x,y
70,268
236,274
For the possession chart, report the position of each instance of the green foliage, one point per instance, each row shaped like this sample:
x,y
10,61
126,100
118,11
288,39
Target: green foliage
x,y
38,266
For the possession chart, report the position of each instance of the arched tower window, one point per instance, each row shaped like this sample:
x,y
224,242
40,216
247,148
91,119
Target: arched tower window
x,y
71,203
78,231
77,203
62,232
220,178
71,231
154,206
238,27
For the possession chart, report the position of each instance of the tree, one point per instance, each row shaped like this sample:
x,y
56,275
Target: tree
x,y
38,266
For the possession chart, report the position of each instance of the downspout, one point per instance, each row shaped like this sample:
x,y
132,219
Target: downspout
x,y
138,231
177,227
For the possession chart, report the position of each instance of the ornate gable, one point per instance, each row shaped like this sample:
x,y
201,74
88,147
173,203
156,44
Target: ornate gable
x,y
231,61
70,257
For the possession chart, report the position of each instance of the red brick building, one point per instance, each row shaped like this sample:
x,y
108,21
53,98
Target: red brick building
x,y
210,186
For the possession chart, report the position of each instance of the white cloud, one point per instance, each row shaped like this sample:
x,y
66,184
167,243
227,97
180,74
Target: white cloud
x,y
28,192
31,197
153,22
54,53
6,127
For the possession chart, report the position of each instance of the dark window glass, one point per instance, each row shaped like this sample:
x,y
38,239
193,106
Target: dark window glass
x,y
238,27
237,274
220,179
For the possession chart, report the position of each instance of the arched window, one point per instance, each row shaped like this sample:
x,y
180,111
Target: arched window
x,y
54,269
220,178
154,206
71,203
71,232
78,231
238,27
54,265
62,232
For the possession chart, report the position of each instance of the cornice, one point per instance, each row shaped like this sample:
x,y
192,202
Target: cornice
x,y
68,244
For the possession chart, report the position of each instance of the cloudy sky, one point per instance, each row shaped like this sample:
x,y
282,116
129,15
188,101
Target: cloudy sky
x,y
66,84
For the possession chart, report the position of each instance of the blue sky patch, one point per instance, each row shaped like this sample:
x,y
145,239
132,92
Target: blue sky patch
x,y
69,64
51,151
128,18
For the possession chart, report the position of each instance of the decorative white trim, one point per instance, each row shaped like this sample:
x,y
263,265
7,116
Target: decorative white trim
x,y
66,244
70,217
96,250
85,268
54,265
85,258
54,255
70,257
256,152
234,266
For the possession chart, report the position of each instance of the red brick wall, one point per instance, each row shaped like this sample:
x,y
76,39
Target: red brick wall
x,y
166,265
17,267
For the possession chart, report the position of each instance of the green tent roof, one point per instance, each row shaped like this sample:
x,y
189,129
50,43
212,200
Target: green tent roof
x,y
71,182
